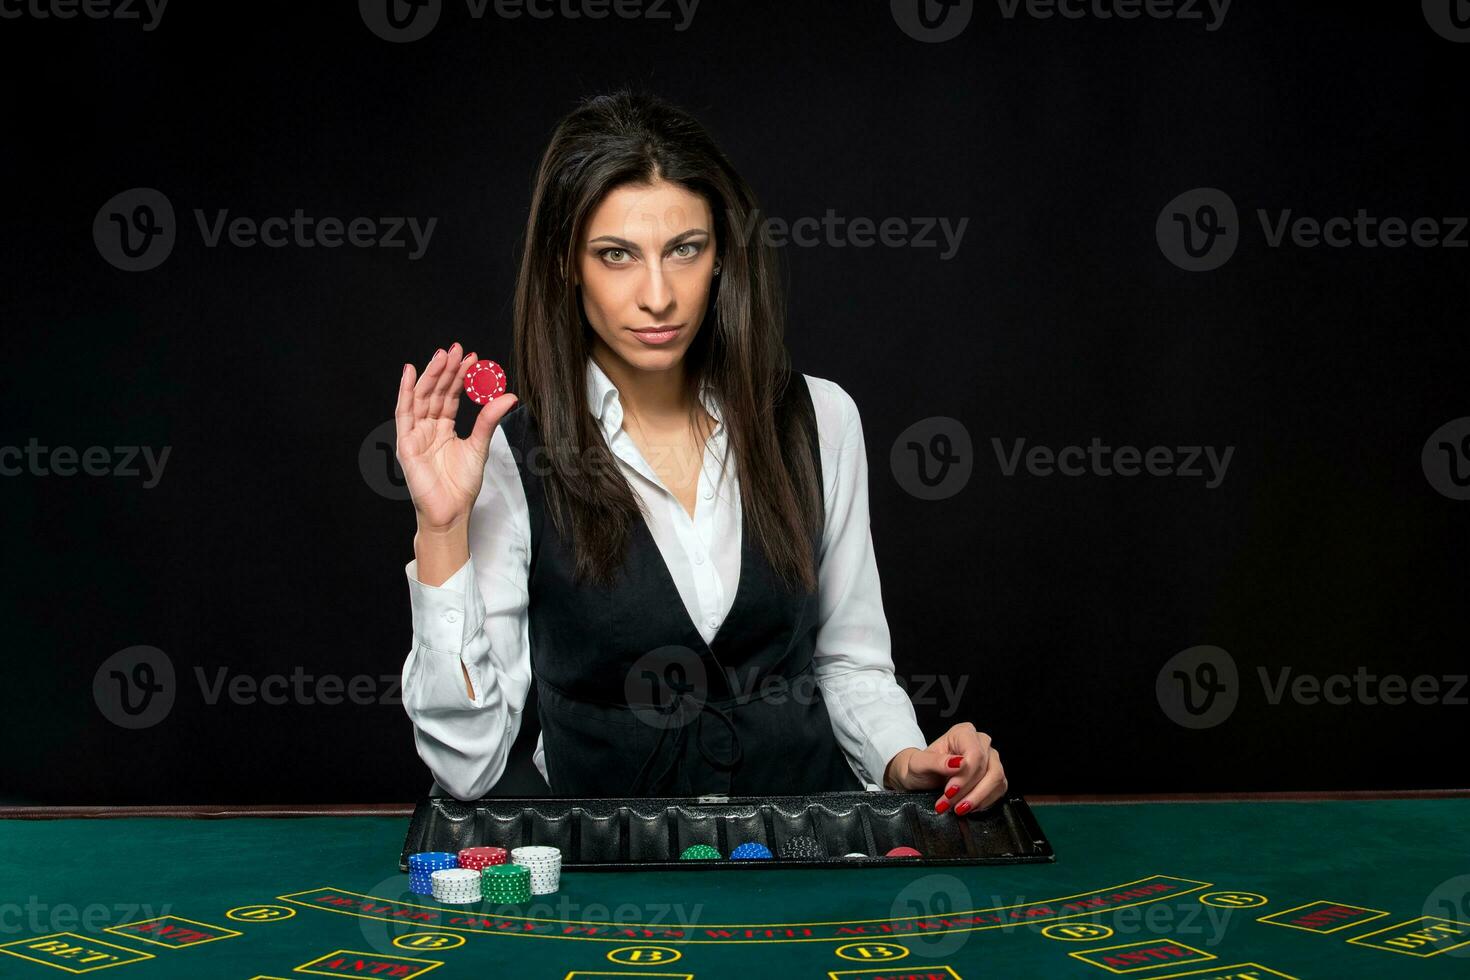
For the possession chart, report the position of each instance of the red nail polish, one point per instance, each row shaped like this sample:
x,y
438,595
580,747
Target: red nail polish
x,y
941,806
955,761
950,791
962,809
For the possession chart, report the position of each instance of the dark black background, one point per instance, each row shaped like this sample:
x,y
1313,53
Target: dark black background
x,y
264,549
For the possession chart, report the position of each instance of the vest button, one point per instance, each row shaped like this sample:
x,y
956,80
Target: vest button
x,y
698,559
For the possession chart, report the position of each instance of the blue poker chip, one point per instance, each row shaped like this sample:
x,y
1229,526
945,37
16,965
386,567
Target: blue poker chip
x,y
750,852
429,861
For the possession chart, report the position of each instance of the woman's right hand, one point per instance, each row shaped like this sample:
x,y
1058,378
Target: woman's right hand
x,y
444,472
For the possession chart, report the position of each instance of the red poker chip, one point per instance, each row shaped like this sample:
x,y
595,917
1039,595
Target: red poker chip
x,y
484,381
905,852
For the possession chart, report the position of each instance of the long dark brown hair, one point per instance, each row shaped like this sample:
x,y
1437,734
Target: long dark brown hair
x,y
634,137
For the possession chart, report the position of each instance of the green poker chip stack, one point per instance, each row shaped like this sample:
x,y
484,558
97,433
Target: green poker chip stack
x,y
700,852
506,884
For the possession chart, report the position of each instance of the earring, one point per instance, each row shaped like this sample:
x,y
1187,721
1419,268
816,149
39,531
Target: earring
x,y
717,268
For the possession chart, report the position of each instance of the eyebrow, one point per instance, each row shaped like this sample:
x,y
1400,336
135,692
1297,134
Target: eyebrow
x,y
630,246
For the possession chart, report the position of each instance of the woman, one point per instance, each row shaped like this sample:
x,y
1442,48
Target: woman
x,y
671,535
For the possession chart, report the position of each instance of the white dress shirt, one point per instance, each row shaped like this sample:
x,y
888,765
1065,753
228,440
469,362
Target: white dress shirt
x,y
478,617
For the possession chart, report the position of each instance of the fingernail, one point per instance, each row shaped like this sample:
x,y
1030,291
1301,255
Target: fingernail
x,y
405,370
950,791
962,809
941,806
955,760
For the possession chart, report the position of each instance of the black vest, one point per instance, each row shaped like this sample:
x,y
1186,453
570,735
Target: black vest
x,y
633,702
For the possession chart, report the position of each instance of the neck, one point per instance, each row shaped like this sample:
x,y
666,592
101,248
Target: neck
x,y
652,396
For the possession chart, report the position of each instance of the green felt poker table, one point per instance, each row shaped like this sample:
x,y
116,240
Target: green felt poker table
x,y
1303,887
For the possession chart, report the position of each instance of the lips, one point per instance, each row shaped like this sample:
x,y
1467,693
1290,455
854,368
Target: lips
x,y
657,335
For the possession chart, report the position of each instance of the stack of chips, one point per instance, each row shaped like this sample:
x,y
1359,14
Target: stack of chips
x,y
456,886
506,884
699,852
750,852
422,865
803,848
480,858
544,863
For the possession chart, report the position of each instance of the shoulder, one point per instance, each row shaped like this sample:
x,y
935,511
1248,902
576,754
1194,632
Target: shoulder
x,y
837,413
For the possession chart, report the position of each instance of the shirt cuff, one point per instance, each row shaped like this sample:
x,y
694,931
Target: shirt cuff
x,y
883,746
445,616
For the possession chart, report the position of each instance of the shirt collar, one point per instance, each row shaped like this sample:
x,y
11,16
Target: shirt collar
x,y
606,405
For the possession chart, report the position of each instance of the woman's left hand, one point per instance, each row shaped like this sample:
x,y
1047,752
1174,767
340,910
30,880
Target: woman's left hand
x,y
961,762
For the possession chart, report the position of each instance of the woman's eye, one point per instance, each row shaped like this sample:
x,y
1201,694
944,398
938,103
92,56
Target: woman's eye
x,y
607,252
689,245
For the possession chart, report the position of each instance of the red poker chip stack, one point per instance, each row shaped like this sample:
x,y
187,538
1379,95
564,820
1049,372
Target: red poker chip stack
x,y
480,858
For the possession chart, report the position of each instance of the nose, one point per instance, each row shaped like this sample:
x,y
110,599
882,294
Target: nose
x,y
656,291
